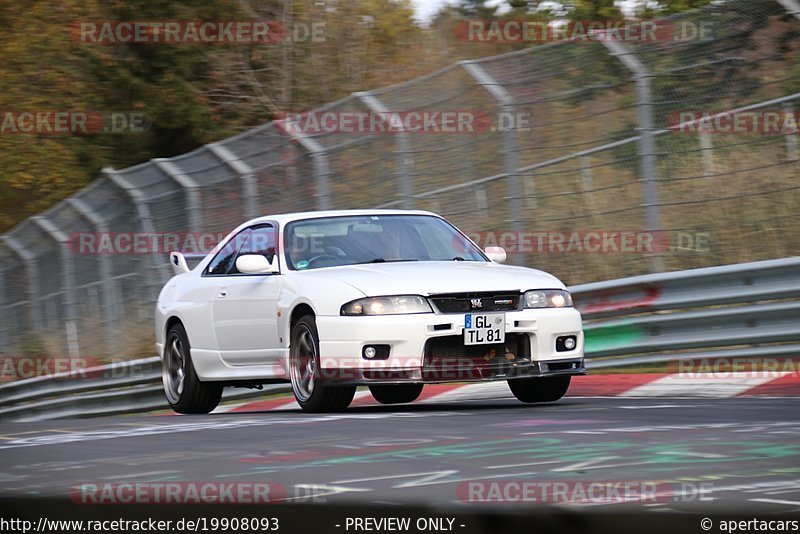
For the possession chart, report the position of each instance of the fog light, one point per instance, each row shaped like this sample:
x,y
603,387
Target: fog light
x,y
566,343
375,352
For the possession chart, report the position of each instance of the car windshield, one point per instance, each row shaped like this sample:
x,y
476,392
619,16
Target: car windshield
x,y
350,240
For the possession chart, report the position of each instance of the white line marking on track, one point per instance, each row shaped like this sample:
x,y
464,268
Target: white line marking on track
x,y
209,424
657,406
776,501
700,385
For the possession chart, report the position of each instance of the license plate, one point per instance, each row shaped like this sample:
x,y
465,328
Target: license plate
x,y
484,328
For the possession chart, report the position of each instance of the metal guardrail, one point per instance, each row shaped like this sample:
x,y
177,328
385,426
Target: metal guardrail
x,y
732,311
125,387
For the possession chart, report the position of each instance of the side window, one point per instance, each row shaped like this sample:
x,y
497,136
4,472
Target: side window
x,y
224,260
260,241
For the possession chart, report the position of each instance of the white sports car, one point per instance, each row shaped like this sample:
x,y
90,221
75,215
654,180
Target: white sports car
x,y
389,299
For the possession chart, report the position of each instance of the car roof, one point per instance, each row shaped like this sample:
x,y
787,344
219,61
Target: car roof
x,y
285,218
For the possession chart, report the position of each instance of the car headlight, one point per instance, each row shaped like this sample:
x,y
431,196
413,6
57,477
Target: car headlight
x,y
547,298
401,304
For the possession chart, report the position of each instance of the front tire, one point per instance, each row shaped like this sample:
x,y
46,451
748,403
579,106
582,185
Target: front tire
x,y
548,389
304,371
184,391
396,393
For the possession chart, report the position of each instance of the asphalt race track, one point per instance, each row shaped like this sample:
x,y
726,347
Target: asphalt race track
x,y
714,453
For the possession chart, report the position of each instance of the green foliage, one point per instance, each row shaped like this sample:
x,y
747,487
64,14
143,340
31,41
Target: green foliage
x,y
189,94
595,10
668,7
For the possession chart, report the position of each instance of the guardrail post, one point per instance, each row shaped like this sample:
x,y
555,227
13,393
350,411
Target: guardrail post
x,y
402,146
192,189
32,270
248,176
145,219
110,303
647,144
68,274
319,156
506,104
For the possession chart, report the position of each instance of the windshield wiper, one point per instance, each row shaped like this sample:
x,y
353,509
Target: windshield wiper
x,y
458,258
382,260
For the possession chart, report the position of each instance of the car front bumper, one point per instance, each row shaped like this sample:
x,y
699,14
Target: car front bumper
x,y
413,342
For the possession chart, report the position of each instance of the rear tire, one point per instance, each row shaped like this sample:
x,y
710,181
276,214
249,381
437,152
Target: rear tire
x,y
184,391
547,389
304,371
396,393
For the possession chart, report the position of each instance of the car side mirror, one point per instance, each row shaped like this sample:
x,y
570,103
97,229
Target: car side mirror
x,y
496,254
178,263
256,264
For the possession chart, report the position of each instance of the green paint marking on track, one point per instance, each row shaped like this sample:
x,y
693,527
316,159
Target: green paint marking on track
x,y
607,337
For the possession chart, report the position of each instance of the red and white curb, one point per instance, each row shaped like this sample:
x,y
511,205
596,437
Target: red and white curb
x,y
695,385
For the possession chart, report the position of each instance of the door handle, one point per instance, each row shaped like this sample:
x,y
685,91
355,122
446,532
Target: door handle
x,y
223,292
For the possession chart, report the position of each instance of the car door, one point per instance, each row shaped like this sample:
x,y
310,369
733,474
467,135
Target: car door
x,y
245,306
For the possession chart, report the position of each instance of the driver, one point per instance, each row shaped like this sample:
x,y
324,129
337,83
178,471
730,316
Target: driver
x,y
298,251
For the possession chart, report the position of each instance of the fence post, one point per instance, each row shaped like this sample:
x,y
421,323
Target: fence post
x,y
145,219
319,156
706,147
506,104
110,304
791,137
647,144
792,7
402,146
249,184
4,329
587,176
68,274
32,270
192,189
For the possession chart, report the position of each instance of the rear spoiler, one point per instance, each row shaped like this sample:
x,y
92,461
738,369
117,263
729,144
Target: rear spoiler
x,y
178,261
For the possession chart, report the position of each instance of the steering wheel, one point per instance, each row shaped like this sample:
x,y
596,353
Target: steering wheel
x,y
322,257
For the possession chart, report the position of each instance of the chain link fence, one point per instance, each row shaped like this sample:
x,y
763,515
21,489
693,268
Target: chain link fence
x,y
570,141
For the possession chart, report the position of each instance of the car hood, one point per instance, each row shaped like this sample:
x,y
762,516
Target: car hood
x,y
432,277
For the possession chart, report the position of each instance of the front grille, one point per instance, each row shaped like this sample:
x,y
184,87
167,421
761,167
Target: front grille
x,y
452,348
476,302
448,359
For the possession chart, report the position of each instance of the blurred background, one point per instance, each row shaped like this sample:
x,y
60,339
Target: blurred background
x,y
596,146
